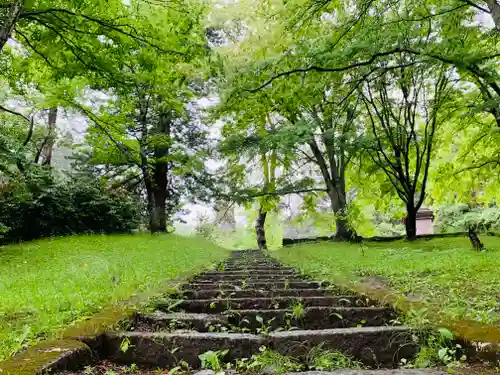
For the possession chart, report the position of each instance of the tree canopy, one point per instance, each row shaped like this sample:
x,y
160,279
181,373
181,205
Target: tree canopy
x,y
348,105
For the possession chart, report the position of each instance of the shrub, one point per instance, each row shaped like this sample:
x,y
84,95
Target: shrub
x,y
39,204
460,217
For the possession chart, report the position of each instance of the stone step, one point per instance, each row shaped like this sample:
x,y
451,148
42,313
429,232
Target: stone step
x,y
161,321
317,317
257,293
250,272
247,278
254,262
423,371
374,346
256,285
260,268
266,303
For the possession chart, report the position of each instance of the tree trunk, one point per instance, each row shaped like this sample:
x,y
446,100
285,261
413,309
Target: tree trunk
x,y
161,152
342,233
8,21
260,231
494,7
160,196
153,222
49,144
338,203
474,240
411,223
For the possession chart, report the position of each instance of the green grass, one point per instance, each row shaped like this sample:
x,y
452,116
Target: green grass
x,y
452,280
45,285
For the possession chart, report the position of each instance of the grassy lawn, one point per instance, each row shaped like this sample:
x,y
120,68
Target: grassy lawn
x,y
47,284
454,281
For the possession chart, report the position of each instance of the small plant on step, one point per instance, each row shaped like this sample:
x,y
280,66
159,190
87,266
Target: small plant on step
x,y
125,344
437,349
130,370
298,310
269,362
319,359
213,360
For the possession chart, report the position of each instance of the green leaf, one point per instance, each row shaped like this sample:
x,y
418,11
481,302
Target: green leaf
x,y
446,333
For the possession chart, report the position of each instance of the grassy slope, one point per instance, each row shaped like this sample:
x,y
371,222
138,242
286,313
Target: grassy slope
x,y
46,284
454,280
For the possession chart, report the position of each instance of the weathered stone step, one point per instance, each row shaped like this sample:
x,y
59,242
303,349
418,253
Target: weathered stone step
x,y
374,346
252,263
265,303
160,321
261,268
423,371
247,278
257,293
248,272
237,285
317,317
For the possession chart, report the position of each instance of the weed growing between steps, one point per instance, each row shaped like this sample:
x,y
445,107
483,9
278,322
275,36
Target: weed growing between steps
x,y
271,362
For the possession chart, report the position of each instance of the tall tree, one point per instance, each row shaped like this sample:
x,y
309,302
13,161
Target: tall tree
x,y
404,109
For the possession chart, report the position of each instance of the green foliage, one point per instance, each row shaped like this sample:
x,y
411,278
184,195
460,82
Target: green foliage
x,y
268,361
437,349
51,283
40,204
213,360
319,359
460,217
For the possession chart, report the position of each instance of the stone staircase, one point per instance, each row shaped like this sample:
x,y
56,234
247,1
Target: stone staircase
x,y
253,301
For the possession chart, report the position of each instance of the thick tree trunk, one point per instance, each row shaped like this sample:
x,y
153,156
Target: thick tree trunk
x,y
153,222
160,196
411,223
339,207
160,173
474,240
494,7
8,19
260,230
343,233
51,131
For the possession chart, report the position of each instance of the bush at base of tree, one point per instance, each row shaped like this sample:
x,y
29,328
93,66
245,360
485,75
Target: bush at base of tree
x,y
460,217
39,204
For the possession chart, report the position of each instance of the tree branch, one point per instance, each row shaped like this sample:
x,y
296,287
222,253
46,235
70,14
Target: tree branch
x,y
34,49
2,108
471,67
116,27
474,5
